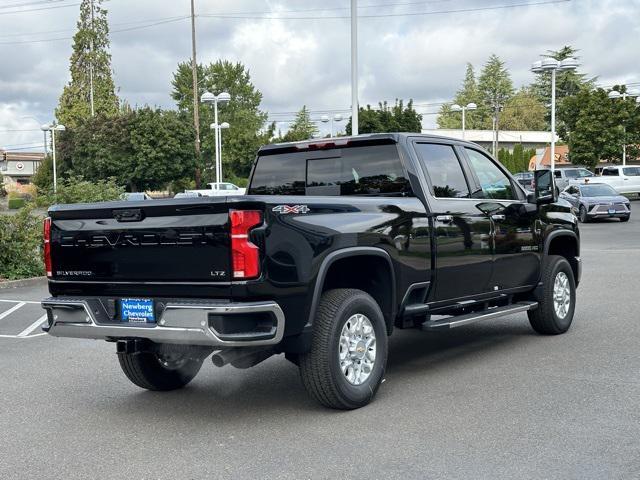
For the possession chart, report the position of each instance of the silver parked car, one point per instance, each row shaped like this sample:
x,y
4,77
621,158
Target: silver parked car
x,y
597,200
565,176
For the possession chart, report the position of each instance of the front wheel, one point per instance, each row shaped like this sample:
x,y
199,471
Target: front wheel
x,y
557,300
167,368
582,215
625,218
348,354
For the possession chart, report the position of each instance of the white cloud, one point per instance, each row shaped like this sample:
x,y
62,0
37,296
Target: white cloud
x,y
296,62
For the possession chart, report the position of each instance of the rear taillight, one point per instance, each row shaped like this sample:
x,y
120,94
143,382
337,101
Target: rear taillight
x,y
245,256
47,245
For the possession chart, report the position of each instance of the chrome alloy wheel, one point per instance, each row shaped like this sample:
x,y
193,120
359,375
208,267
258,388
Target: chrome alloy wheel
x,y
561,295
357,349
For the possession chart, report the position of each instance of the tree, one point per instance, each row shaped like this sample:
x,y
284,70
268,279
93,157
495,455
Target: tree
x,y
144,149
592,125
495,88
468,93
568,82
246,133
396,118
90,58
523,111
302,127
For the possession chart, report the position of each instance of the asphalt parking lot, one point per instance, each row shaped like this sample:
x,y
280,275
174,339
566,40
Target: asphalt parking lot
x,y
490,400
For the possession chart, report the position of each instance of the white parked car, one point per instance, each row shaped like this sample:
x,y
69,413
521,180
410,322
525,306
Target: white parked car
x,y
623,179
219,190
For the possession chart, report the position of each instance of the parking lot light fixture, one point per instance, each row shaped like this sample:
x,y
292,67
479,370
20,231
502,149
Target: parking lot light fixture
x,y
614,95
326,119
53,128
222,98
457,108
552,65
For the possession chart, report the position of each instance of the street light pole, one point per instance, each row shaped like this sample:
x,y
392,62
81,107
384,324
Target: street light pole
x,y
224,97
552,65
53,128
457,108
354,67
553,119
614,94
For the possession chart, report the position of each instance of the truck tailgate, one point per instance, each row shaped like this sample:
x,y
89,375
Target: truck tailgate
x,y
159,241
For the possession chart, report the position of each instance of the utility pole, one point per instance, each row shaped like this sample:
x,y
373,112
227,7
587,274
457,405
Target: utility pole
x,y
93,33
194,74
354,67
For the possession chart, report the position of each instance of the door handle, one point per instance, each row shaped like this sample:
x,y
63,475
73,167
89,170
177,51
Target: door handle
x,y
498,217
444,218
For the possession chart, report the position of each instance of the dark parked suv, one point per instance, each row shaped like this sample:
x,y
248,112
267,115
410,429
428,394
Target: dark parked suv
x,y
337,243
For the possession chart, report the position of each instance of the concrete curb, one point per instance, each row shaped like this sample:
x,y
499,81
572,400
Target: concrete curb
x,y
25,282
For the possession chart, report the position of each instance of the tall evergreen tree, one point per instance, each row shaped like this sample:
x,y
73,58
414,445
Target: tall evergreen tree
x,y
302,128
90,60
494,84
468,93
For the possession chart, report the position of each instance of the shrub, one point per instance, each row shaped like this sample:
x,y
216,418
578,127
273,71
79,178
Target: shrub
x,y
21,245
79,190
15,203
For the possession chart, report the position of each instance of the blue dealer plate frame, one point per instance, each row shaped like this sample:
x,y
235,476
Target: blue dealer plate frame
x,y
137,310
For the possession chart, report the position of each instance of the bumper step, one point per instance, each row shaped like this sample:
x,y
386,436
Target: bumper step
x,y
459,320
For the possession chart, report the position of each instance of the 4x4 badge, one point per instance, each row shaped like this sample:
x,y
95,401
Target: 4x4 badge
x,y
291,209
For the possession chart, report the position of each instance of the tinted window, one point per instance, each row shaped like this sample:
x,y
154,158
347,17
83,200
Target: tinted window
x,y
366,170
493,181
557,173
579,173
631,171
279,175
358,171
610,172
444,170
598,191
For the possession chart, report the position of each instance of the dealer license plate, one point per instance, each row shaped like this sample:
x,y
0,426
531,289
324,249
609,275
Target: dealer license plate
x,y
137,310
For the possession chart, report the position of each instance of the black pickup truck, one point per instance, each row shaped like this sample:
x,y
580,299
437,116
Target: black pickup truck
x,y
337,243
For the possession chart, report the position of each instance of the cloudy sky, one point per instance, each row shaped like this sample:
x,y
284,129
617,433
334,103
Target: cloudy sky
x,y
298,51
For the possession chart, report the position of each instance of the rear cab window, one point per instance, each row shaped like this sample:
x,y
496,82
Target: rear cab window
x,y
369,169
443,170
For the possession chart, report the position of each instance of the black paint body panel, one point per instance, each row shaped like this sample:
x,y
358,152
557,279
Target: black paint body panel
x,y
180,248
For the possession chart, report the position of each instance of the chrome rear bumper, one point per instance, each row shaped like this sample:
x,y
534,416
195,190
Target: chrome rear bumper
x,y
179,322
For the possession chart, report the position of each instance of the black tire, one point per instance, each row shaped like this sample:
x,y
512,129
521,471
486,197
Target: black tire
x,y
150,371
545,319
625,218
320,368
582,214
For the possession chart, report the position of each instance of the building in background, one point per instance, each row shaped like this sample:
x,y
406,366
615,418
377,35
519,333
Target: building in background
x,y
542,158
506,139
17,168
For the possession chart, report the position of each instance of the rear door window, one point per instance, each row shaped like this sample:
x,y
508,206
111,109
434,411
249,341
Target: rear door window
x,y
444,170
631,171
359,170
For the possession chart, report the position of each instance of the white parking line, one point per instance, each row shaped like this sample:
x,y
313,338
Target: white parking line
x,y
12,309
18,301
33,326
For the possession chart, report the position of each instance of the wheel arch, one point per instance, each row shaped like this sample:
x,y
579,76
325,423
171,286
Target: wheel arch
x,y
340,268
565,243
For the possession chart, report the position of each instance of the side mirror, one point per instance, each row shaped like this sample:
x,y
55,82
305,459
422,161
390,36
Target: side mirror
x,y
544,187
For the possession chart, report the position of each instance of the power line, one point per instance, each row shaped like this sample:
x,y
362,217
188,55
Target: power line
x,y
52,7
385,15
162,21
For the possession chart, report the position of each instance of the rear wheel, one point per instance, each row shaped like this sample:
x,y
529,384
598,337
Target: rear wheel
x,y
557,300
348,353
168,368
582,214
